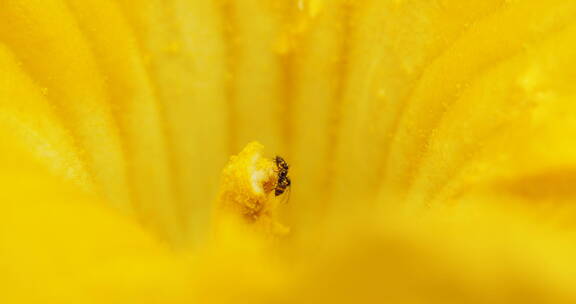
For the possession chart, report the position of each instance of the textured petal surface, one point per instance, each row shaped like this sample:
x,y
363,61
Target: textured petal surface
x,y
430,145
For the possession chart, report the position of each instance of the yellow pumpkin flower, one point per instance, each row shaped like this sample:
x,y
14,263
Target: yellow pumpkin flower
x,y
429,146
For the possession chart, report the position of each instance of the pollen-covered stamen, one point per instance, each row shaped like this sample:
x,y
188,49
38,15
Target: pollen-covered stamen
x,y
248,187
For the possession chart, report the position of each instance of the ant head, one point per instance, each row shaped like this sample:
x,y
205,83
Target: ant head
x,y
281,163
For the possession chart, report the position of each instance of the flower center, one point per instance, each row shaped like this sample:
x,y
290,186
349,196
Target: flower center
x,y
248,191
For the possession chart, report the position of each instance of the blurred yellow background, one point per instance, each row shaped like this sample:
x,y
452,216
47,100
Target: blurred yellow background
x,y
431,150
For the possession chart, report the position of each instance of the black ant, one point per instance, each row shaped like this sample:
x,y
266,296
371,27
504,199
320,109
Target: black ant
x,y
283,180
